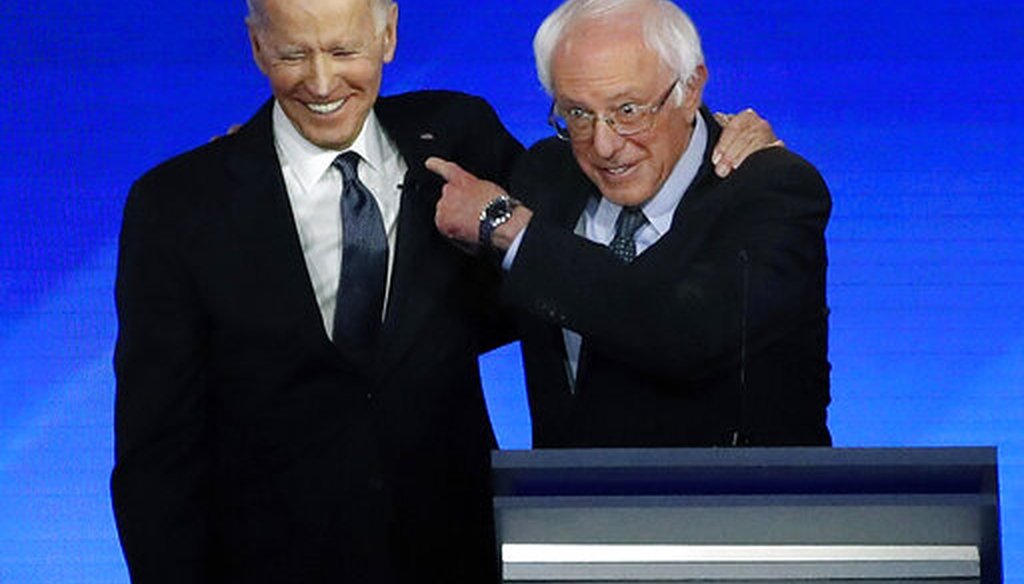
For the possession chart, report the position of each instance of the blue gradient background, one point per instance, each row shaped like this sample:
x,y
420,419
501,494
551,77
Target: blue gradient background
x,y
911,110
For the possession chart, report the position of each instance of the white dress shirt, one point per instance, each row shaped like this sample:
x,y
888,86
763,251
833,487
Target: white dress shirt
x,y
314,191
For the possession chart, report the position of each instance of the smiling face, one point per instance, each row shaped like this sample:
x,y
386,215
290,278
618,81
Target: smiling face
x,y
601,65
324,60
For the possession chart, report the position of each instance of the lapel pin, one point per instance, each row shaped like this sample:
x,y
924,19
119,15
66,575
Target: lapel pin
x,y
426,136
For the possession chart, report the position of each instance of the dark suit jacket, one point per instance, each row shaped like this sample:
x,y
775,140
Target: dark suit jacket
x,y
718,328
248,448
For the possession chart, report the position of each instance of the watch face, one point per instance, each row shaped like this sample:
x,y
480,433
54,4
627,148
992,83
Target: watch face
x,y
497,209
494,214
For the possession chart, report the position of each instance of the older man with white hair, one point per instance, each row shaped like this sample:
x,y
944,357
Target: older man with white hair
x,y
659,305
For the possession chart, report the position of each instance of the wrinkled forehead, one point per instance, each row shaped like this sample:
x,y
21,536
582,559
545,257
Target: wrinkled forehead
x,y
278,14
608,57
586,34
319,23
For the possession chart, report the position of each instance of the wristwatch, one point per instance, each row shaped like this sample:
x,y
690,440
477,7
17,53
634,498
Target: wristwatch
x,y
497,212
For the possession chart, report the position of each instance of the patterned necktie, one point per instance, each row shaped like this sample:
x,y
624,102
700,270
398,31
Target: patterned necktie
x,y
364,263
623,246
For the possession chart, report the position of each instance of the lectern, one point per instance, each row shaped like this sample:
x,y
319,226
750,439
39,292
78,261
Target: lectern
x,y
754,515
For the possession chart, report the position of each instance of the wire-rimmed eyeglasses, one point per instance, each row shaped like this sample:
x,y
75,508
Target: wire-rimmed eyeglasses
x,y
577,124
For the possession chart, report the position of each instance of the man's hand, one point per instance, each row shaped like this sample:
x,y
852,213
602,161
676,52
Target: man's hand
x,y
743,134
462,199
232,129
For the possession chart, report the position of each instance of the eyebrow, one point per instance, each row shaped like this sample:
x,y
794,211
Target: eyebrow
x,y
289,48
618,99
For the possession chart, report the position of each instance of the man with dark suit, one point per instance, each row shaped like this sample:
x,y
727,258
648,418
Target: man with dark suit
x,y
660,305
255,442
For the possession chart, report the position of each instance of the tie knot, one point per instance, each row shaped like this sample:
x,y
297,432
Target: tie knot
x,y
347,163
630,219
622,245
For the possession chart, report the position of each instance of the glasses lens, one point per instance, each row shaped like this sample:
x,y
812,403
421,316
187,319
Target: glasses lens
x,y
631,119
580,128
561,129
629,124
557,122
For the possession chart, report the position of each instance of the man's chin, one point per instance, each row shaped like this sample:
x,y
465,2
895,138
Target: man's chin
x,y
331,131
624,195
625,190
326,139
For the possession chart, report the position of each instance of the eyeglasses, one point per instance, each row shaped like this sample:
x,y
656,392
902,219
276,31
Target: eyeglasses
x,y
577,124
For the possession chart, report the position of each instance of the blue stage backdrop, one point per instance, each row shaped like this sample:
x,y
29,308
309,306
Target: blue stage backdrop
x,y
912,111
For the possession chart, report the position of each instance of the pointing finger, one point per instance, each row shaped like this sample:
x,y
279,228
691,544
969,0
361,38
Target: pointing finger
x,y
443,168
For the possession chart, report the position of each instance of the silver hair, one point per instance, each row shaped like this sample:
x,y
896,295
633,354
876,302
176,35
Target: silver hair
x,y
668,31
256,14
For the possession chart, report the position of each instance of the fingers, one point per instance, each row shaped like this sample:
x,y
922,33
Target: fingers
x,y
457,213
722,118
439,166
232,129
449,171
742,135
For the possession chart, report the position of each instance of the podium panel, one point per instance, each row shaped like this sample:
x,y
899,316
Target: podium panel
x,y
748,515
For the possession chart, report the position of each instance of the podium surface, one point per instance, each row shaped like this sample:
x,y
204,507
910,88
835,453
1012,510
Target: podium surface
x,y
748,515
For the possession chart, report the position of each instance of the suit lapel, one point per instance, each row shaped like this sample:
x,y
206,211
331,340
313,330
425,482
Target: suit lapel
x,y
420,276
260,209
691,216
706,177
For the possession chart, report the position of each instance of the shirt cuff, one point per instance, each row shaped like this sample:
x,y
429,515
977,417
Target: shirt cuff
x,y
513,249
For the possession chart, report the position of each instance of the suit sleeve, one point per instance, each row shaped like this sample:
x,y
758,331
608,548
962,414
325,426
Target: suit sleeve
x,y
160,479
754,269
496,149
492,154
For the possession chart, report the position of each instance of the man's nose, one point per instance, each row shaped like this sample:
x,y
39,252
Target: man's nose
x,y
321,76
606,140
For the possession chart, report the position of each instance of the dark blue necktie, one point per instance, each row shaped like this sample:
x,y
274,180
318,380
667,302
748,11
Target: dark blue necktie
x,y
623,246
364,263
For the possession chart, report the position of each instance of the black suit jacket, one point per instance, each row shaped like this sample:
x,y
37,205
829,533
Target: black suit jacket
x,y
716,334
248,448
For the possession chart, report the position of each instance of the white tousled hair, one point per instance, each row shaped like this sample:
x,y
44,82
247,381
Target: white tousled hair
x,y
257,15
667,30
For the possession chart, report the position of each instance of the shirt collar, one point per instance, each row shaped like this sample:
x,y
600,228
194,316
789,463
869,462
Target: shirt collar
x,y
660,209
310,161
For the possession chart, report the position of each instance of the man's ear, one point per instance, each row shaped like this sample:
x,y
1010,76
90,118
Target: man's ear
x,y
696,83
391,33
257,48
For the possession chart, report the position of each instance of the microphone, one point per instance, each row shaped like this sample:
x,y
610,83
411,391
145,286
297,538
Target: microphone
x,y
738,439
